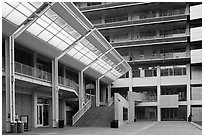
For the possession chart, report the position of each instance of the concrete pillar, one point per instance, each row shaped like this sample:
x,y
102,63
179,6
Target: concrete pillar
x,y
35,64
104,94
55,98
62,110
97,93
131,80
10,81
131,109
187,8
158,93
35,99
109,92
188,73
81,89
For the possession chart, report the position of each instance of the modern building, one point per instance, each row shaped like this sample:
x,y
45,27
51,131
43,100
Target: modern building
x,y
53,61
162,42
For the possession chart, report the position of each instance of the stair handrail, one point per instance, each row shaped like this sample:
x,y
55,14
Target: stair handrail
x,y
81,112
110,101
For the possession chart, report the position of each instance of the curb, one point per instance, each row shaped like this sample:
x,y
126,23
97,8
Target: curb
x,y
196,125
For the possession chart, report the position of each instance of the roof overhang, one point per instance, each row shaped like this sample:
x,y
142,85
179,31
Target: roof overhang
x,y
68,14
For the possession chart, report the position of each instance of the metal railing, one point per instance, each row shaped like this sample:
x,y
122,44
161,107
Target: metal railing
x,y
110,102
145,18
162,56
81,112
156,39
27,70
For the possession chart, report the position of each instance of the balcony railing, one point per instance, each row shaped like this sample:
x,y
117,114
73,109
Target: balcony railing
x,y
152,40
161,56
149,98
104,5
80,113
144,73
40,74
125,21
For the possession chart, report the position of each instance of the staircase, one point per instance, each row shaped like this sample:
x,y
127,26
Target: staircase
x,y
97,117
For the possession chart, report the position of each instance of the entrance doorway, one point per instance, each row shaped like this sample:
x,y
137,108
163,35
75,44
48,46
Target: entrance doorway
x,y
173,114
42,112
69,115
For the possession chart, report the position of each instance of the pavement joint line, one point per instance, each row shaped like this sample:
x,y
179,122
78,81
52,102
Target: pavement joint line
x,y
144,128
196,125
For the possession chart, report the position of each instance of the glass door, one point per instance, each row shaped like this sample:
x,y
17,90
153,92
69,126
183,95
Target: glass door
x,y
39,114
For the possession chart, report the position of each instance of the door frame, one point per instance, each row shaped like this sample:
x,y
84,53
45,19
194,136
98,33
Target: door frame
x,y
38,115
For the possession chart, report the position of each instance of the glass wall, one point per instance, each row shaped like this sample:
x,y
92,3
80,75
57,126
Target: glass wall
x,y
149,94
173,70
169,114
175,90
144,72
146,113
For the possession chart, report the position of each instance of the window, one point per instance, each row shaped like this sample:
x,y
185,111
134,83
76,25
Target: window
x,y
173,70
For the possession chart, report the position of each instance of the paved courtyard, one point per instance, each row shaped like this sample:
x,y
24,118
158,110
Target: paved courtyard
x,y
136,128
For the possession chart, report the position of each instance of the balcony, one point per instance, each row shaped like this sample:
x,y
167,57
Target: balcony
x,y
173,38
196,56
105,5
122,22
158,57
35,73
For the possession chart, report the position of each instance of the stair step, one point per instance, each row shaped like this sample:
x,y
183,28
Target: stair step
x,y
97,116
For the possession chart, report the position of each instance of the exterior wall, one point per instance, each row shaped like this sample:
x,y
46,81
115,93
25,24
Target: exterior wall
x,y
119,103
23,107
197,113
196,34
196,76
173,80
196,56
121,83
169,101
196,93
195,12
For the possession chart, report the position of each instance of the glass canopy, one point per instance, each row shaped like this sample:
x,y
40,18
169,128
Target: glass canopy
x,y
53,28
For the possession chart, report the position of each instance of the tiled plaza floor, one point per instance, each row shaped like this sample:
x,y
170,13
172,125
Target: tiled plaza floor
x,y
136,128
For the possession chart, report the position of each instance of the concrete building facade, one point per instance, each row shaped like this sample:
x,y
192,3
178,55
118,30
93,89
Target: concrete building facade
x,y
52,64
162,43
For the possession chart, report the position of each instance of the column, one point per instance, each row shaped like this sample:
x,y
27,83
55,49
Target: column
x,y
35,97
188,89
97,93
158,93
10,81
81,89
35,64
131,80
104,94
55,89
109,92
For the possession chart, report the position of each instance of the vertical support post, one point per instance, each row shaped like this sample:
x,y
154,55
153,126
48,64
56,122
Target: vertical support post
x,y
109,92
10,81
158,93
104,93
35,64
55,89
131,80
97,92
81,89
35,97
188,90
